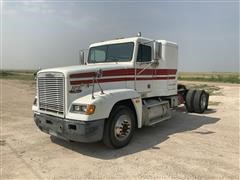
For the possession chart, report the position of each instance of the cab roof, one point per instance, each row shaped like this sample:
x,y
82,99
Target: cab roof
x,y
130,39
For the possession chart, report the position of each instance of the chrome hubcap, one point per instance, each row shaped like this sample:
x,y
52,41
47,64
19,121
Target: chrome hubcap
x,y
122,127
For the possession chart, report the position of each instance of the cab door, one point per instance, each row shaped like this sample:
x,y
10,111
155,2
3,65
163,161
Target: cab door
x,y
144,71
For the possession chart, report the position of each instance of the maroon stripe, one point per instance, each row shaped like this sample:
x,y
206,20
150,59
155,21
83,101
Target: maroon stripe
x,y
119,79
101,80
165,71
156,78
82,75
125,72
118,72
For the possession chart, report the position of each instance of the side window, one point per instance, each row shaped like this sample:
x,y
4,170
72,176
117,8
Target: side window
x,y
98,54
144,53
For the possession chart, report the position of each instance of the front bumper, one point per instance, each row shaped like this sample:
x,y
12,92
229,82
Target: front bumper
x,y
81,131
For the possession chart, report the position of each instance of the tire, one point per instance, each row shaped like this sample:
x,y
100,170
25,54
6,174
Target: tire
x,y
200,101
189,100
120,117
207,100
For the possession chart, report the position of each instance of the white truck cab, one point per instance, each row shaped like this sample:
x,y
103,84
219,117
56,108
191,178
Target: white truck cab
x,y
122,85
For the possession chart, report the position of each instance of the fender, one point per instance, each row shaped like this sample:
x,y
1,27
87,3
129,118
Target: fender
x,y
105,102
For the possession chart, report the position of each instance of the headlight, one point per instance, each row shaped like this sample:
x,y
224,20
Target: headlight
x,y
86,109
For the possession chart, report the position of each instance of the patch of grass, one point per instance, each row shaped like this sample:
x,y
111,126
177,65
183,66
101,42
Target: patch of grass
x,y
19,75
211,89
211,77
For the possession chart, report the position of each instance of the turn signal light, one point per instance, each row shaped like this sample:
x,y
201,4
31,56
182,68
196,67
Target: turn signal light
x,y
90,109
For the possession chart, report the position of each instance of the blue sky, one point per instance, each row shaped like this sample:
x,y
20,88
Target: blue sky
x,y
50,33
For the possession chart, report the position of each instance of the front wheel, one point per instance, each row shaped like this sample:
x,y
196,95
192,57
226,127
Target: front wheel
x,y
119,127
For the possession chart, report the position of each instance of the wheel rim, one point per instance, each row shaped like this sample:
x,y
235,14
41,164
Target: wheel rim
x,y
122,127
203,101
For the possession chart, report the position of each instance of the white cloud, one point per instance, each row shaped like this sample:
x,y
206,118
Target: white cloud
x,y
27,3
10,12
79,23
33,7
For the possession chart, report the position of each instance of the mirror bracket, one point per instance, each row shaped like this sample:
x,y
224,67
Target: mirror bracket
x,y
81,58
155,62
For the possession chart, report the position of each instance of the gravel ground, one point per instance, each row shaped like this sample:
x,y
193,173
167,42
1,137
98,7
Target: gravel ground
x,y
189,146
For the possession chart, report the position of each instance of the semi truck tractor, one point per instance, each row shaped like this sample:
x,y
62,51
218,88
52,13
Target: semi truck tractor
x,y
123,84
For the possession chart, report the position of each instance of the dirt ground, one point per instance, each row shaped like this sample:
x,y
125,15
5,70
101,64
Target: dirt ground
x,y
189,146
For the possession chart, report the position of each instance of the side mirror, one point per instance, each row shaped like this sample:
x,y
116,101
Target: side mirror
x,y
157,50
82,61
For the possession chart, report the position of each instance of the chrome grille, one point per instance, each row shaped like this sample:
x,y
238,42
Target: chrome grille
x,y
51,92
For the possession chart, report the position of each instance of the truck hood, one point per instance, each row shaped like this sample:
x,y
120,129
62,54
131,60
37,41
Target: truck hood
x,y
87,68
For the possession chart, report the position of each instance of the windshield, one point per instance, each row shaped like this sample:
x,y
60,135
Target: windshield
x,y
121,52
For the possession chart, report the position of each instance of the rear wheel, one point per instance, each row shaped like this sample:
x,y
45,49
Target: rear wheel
x,y
189,100
119,127
200,101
